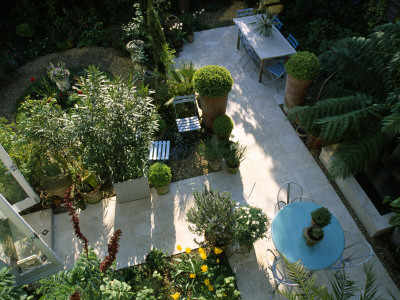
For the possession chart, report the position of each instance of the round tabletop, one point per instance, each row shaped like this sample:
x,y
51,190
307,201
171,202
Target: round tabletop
x,y
287,235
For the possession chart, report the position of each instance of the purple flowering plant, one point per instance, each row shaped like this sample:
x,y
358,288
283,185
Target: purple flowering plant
x,y
57,73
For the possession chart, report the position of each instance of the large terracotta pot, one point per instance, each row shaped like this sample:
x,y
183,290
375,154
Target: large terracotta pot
x,y
295,92
313,142
212,107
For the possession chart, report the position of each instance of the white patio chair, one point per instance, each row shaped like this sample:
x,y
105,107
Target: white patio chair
x,y
355,253
277,266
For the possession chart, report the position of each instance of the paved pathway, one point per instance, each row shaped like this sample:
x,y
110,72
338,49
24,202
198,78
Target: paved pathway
x,y
275,155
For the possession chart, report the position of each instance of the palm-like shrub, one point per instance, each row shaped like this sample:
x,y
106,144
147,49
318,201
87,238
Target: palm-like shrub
x,y
359,99
180,79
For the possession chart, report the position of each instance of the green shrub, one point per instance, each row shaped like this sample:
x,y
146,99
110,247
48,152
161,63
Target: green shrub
x,y
8,290
213,215
162,126
234,154
223,126
159,174
303,65
321,216
212,81
156,260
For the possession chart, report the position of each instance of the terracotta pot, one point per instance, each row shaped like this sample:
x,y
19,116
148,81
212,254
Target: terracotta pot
x,y
309,239
57,186
178,45
169,22
215,164
313,142
162,190
212,107
295,92
92,197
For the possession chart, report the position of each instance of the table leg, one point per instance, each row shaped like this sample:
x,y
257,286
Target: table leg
x,y
238,41
261,70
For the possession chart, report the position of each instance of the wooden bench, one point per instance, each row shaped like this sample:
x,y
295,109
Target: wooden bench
x,y
159,150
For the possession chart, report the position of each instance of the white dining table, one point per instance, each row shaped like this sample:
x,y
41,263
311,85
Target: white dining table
x,y
269,47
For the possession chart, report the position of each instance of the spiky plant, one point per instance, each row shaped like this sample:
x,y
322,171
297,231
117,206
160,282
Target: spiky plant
x,y
359,98
342,287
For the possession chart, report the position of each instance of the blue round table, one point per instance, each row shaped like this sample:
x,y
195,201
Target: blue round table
x,y
287,235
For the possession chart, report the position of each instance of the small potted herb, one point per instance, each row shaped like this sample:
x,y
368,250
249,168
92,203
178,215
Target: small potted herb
x,y
321,217
313,235
234,155
223,126
160,177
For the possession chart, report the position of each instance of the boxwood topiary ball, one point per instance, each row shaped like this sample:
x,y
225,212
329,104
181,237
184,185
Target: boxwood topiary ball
x,y
212,81
159,174
303,65
223,125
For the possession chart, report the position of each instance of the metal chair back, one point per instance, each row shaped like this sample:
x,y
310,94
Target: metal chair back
x,y
244,12
292,41
278,23
190,123
277,266
288,191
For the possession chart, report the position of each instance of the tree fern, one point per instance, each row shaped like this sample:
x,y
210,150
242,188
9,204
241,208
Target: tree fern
x,y
352,156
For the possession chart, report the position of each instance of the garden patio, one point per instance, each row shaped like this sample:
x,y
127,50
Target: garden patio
x,y
275,155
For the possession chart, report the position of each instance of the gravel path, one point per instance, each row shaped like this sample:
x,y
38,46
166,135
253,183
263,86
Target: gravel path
x,y
109,59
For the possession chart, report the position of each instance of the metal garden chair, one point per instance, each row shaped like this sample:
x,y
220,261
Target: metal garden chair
x,y
355,252
278,23
244,12
277,266
190,123
288,191
292,41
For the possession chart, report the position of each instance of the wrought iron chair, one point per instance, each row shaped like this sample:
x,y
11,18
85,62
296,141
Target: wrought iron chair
x,y
355,253
190,123
288,191
277,70
277,266
292,41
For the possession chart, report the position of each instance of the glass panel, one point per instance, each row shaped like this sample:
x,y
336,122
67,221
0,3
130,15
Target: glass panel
x,y
17,250
9,187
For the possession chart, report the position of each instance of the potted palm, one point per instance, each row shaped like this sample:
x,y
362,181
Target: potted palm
x,y
160,177
223,126
301,68
213,152
234,155
87,182
313,235
213,83
264,23
320,217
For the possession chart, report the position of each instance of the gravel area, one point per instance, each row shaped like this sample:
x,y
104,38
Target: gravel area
x,y
112,60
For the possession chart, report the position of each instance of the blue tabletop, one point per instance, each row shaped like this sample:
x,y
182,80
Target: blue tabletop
x,y
287,235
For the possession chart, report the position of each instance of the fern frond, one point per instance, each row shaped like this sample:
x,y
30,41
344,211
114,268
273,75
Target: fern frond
x,y
370,290
335,128
391,123
342,287
352,156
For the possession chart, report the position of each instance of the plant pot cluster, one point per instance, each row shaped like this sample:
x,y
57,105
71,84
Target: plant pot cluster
x,y
320,218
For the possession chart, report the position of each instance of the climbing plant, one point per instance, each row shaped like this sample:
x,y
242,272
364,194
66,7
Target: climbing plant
x,y
358,99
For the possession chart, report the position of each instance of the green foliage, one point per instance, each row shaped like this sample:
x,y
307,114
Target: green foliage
x,y
213,215
342,286
264,23
252,225
180,79
156,260
212,81
395,206
25,30
159,174
116,289
321,216
235,153
114,144
358,98
317,232
211,150
162,126
223,126
303,65
8,290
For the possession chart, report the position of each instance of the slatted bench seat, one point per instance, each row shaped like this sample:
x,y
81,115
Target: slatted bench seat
x,y
159,150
